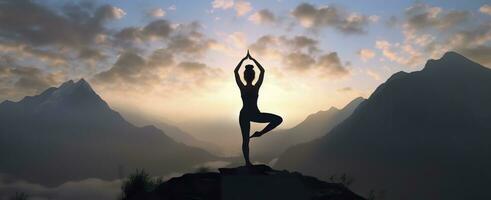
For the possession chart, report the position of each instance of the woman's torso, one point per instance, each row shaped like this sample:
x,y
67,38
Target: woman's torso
x,y
249,96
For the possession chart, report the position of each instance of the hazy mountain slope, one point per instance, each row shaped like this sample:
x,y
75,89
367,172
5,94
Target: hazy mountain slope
x,y
314,126
420,135
70,133
172,131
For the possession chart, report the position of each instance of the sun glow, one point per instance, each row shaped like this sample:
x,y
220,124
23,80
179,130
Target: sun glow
x,y
290,96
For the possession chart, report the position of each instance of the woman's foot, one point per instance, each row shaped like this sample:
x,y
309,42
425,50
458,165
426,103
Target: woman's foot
x,y
249,164
256,134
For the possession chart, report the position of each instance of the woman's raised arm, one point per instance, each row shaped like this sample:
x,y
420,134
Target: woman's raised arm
x,y
261,72
237,76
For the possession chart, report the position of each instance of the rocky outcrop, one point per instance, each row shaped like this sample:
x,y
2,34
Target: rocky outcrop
x,y
256,182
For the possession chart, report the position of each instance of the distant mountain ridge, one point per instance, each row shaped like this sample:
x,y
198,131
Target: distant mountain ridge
x,y
420,135
71,101
71,133
314,126
173,131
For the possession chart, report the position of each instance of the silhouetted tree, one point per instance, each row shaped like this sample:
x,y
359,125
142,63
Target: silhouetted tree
x,y
138,186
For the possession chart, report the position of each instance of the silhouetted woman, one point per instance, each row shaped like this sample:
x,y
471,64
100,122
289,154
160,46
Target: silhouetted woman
x,y
250,112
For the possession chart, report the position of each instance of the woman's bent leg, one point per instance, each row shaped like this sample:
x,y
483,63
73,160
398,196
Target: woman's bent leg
x,y
272,119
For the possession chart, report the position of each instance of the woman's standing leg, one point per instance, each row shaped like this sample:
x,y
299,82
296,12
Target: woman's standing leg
x,y
245,127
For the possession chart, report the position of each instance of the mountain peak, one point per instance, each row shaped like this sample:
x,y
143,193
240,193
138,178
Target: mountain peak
x,y
331,109
67,83
452,61
453,58
70,92
72,83
72,100
72,86
452,55
83,84
82,81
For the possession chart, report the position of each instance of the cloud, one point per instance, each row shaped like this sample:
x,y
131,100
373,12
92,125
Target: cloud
x,y
392,21
373,74
157,12
473,43
242,7
480,53
313,17
91,188
192,66
374,18
263,16
388,52
92,54
222,4
161,58
128,34
17,80
135,73
466,39
180,39
298,61
173,67
56,39
366,54
115,12
486,9
160,29
23,51
331,65
430,31
407,54
299,43
300,54
272,45
418,26
130,72
195,75
129,68
189,40
422,16
474,36
238,39
30,78
345,89
95,189
75,26
266,46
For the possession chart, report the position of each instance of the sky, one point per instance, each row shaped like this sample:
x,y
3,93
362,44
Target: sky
x,y
174,60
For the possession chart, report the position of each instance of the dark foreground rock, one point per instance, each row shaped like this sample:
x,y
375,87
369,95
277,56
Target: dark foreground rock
x,y
257,182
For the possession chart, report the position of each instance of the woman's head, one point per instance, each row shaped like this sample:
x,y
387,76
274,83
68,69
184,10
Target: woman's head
x,y
249,74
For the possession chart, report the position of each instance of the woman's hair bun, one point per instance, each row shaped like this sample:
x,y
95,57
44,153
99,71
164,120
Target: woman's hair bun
x,y
249,67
